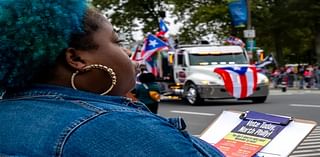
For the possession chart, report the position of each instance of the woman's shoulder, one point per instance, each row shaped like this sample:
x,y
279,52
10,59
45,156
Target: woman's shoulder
x,y
131,134
125,132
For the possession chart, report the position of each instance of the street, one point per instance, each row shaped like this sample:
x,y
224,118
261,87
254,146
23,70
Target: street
x,y
302,104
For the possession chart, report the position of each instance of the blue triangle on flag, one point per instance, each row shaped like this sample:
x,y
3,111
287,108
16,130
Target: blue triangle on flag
x,y
154,43
163,26
239,70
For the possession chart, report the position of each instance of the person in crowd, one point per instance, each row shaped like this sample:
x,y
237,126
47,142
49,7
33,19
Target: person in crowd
x,y
301,70
317,74
290,75
307,77
148,91
275,77
64,77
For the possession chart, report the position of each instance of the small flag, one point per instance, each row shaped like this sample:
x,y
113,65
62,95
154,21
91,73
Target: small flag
x,y
163,27
151,45
232,40
136,53
268,60
151,64
240,82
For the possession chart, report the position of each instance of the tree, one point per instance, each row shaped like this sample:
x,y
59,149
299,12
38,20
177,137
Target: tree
x,y
289,28
201,18
127,16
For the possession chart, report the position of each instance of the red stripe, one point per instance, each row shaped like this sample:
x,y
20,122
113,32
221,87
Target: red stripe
x,y
255,77
155,71
226,78
244,86
148,54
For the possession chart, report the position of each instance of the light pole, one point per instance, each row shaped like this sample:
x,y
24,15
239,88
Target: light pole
x,y
249,34
249,15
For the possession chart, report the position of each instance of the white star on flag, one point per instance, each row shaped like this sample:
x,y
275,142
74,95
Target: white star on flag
x,y
153,43
163,28
236,68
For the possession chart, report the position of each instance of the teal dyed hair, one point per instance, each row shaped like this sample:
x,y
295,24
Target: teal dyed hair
x,y
33,33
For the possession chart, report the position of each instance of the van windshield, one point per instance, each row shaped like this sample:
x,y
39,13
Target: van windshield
x,y
213,59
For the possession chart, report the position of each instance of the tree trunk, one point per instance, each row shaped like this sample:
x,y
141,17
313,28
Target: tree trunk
x,y
317,48
278,48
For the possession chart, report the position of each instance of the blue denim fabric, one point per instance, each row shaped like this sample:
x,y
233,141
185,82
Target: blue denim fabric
x,y
56,121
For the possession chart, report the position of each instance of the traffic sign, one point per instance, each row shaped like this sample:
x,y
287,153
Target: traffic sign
x,y
251,45
249,33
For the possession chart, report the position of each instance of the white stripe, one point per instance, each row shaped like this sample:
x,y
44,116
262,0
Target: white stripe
x,y
263,64
250,81
311,137
304,105
314,133
311,140
235,83
194,113
306,151
308,147
309,143
302,151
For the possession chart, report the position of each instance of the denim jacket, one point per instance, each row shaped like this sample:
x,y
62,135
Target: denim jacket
x,y
47,120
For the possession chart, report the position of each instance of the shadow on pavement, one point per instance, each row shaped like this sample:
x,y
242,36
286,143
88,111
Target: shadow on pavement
x,y
210,102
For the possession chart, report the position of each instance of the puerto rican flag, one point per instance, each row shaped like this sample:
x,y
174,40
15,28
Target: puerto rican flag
x,y
151,45
163,27
240,82
151,65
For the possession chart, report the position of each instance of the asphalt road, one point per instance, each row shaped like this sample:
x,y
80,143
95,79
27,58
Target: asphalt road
x,y
302,104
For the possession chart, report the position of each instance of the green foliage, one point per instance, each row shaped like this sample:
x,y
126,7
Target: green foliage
x,y
202,18
127,15
286,27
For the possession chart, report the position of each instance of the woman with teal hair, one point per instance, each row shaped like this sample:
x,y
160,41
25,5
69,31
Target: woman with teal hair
x,y
64,78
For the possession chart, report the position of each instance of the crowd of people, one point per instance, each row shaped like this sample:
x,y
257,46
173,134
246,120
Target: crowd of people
x,y
300,76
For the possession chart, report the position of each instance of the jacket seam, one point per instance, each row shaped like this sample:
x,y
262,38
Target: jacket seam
x,y
65,136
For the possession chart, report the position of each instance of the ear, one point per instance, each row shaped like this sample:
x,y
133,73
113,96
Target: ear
x,y
75,59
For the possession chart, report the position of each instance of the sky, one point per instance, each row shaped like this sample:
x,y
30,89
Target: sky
x,y
173,28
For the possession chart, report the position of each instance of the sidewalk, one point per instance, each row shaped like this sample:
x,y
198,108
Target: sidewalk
x,y
294,88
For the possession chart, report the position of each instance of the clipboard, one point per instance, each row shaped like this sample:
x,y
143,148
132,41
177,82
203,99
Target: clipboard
x,y
282,145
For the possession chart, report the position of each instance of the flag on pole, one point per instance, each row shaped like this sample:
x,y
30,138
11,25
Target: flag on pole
x,y
268,60
240,82
136,53
163,27
151,65
232,40
151,45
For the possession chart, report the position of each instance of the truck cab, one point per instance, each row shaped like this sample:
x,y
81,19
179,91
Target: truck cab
x,y
193,71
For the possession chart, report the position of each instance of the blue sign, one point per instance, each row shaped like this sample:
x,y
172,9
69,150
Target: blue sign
x,y
239,12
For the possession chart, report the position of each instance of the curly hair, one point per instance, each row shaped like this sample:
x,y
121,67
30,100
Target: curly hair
x,y
32,35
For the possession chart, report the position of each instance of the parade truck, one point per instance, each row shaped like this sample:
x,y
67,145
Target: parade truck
x,y
197,73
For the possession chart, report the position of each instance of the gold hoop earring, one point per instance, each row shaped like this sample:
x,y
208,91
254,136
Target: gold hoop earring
x,y
97,66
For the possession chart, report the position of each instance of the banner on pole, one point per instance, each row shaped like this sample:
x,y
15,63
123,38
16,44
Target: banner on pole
x,y
239,12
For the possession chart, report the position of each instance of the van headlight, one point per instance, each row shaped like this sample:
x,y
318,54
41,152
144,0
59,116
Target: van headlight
x,y
204,82
207,82
265,81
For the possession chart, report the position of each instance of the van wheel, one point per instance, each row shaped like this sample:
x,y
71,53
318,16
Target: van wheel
x,y
192,95
261,99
